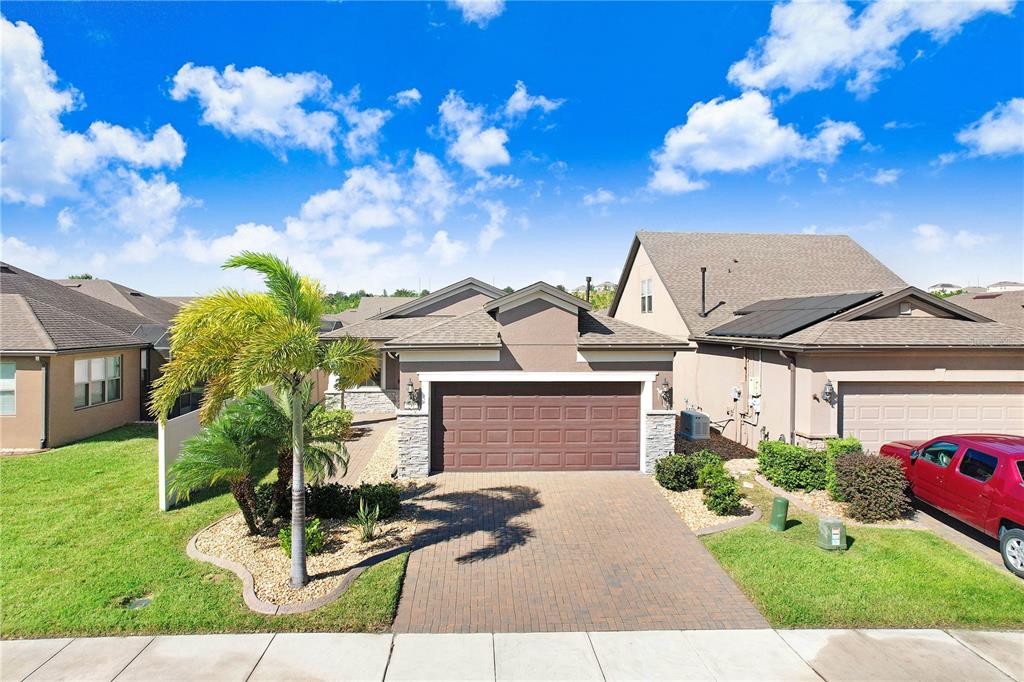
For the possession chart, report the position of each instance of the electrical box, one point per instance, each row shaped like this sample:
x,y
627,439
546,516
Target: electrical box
x,y
755,404
694,425
832,535
754,386
734,392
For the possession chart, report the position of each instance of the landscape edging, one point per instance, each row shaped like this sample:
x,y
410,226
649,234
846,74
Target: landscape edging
x,y
267,608
755,515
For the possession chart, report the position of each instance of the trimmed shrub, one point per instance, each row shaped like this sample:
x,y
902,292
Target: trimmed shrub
x,y
328,500
875,487
721,491
680,472
835,448
315,538
264,498
386,496
791,466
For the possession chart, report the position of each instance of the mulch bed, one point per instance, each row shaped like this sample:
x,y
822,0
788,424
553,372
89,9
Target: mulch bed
x,y
726,448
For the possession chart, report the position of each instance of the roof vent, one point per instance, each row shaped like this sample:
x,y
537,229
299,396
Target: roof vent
x,y
6,270
134,293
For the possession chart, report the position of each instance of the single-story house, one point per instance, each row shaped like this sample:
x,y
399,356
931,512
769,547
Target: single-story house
x,y
71,365
532,380
1006,285
944,288
806,337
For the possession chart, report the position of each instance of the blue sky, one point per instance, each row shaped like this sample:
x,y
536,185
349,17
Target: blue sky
x,y
145,143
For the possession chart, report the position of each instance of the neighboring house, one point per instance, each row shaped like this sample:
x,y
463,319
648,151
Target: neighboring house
x,y
158,310
1006,286
71,365
1002,306
809,336
531,380
944,288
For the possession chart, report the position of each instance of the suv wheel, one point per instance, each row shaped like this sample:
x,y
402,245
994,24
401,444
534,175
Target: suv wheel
x,y
1011,545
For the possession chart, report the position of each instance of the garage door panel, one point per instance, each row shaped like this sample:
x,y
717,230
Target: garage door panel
x,y
877,413
574,426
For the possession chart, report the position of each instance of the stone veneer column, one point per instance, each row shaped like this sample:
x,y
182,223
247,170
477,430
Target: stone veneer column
x,y
660,438
413,443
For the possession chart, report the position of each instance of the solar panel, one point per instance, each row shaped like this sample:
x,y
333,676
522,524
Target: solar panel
x,y
779,317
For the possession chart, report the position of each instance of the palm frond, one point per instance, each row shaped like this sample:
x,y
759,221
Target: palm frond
x,y
294,295
353,360
273,351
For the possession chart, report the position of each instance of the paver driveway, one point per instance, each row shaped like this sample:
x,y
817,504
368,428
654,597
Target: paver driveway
x,y
553,551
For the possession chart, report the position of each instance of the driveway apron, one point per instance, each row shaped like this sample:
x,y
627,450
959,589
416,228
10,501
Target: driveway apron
x,y
560,551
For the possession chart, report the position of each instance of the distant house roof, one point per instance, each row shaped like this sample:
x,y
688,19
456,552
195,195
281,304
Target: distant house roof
x,y
743,267
1002,306
1006,283
157,309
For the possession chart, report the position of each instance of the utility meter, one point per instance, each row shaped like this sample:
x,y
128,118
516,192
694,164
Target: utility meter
x,y
735,392
754,386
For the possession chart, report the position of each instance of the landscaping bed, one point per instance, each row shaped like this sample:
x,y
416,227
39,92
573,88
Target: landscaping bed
x,y
384,460
689,505
727,449
82,537
819,502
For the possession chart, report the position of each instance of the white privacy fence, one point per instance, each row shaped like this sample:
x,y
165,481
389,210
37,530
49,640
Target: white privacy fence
x,y
170,437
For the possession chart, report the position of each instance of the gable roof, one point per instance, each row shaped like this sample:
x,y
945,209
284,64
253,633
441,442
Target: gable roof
x,y
382,330
476,328
1002,306
742,267
534,291
157,309
598,330
375,305
415,304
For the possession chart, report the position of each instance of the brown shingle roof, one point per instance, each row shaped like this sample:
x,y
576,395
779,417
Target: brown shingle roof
x,y
475,328
19,328
908,331
385,330
746,268
157,309
599,330
1002,306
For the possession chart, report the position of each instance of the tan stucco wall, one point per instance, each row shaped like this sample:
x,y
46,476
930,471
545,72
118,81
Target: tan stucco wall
x,y
456,304
68,424
22,430
664,317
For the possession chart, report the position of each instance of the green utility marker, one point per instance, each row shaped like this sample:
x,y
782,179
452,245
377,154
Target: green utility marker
x,y
832,535
780,510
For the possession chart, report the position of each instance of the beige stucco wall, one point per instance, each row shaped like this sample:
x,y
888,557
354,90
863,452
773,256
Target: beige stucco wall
x,y
68,424
664,317
22,430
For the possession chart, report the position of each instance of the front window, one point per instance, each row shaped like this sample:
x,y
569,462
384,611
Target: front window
x,y
646,298
978,465
7,401
97,381
940,454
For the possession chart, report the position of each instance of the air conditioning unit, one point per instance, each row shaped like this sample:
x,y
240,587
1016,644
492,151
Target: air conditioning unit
x,y
694,425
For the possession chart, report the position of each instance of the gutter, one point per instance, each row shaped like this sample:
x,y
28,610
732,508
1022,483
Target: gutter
x,y
448,346
632,346
44,436
791,361
741,342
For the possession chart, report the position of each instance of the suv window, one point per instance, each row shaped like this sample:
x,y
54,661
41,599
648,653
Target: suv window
x,y
978,465
940,454
1020,470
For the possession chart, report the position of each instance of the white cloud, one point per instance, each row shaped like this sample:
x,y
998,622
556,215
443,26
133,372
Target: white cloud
x,y
430,186
362,138
521,102
932,238
812,44
447,251
823,176
999,132
886,176
493,230
599,197
810,229
470,142
147,207
479,12
41,159
255,104
407,98
17,252
899,125
65,220
738,135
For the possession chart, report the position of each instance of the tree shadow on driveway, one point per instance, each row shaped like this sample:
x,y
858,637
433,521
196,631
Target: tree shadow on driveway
x,y
450,515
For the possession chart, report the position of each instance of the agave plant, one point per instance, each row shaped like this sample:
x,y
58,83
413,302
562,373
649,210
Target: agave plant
x,y
234,342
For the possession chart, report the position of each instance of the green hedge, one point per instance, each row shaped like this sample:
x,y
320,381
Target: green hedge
x,y
791,466
680,472
875,487
334,501
835,448
721,491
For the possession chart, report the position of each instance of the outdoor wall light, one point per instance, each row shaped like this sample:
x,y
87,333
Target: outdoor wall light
x,y
411,400
828,392
665,393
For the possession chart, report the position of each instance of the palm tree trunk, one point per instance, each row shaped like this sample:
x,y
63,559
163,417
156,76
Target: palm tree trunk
x,y
242,497
299,576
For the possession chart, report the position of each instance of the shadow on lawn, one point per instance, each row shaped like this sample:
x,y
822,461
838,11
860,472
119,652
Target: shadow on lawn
x,y
494,511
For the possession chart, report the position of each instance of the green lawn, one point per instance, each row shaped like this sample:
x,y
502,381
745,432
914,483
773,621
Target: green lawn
x,y
887,578
80,532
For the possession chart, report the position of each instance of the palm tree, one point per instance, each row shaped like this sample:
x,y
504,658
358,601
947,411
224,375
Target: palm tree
x,y
231,449
234,342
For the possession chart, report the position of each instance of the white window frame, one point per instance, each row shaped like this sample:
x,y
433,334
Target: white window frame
x,y
10,386
89,364
646,296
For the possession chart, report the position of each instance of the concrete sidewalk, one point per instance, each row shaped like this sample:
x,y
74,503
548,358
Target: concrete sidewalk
x,y
790,655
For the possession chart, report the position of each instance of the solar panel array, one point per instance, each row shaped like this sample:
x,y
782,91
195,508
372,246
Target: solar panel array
x,y
779,317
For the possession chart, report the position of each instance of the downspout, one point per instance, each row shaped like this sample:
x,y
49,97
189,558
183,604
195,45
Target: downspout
x,y
791,360
44,438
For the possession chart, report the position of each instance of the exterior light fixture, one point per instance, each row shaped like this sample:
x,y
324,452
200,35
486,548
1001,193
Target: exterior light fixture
x,y
828,392
411,401
665,393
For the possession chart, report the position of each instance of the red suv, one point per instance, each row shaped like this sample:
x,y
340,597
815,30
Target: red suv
x,y
978,479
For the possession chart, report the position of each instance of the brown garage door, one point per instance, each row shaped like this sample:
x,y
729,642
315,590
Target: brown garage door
x,y
538,426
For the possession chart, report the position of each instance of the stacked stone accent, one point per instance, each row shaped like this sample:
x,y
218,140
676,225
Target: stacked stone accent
x,y
413,444
660,437
363,402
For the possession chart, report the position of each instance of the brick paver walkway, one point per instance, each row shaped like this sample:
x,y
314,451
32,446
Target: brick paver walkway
x,y
554,551
368,430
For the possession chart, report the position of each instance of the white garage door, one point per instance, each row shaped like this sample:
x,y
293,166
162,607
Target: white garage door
x,y
877,413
